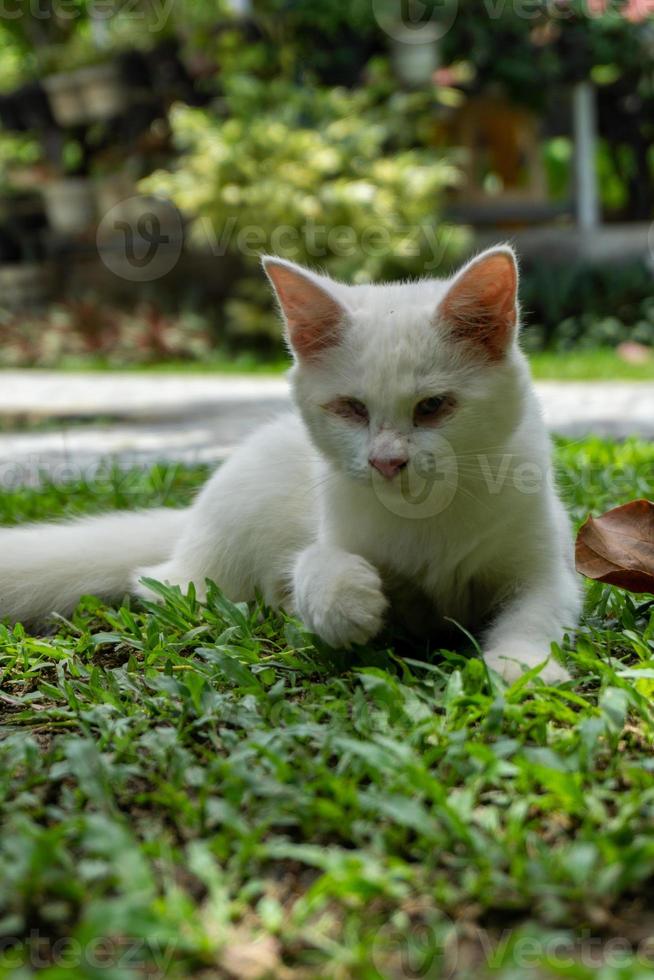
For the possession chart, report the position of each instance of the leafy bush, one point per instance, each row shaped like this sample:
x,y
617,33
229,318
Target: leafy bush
x,y
327,177
584,306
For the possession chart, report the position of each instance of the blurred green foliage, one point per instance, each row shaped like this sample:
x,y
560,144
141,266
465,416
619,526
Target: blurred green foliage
x,y
530,47
311,148
336,178
575,305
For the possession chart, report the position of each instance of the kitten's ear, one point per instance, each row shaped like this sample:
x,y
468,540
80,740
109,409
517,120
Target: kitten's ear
x,y
314,318
480,305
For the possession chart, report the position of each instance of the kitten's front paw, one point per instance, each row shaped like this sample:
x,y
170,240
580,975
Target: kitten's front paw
x,y
511,660
339,596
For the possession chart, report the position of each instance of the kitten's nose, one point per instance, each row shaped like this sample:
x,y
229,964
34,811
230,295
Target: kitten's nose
x,y
388,467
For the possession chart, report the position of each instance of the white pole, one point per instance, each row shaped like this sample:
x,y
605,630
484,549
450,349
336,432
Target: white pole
x,y
584,111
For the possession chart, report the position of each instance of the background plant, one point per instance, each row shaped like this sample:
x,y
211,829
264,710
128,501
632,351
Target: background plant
x,y
82,331
579,306
309,157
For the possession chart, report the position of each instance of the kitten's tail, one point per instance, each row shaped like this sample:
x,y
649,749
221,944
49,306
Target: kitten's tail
x,y
45,568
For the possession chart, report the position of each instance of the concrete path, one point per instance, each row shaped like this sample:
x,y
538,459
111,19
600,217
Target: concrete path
x,y
199,418
47,394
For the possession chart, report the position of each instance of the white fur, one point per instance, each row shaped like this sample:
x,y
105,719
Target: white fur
x,y
45,568
298,514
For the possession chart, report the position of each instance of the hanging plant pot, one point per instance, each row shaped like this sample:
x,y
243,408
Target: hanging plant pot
x,y
25,286
91,94
414,64
66,98
105,94
70,205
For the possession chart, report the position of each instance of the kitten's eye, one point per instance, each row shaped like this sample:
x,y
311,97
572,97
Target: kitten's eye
x,y
348,408
429,409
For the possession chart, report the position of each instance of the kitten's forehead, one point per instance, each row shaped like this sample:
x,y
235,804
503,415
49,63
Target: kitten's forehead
x,y
392,348
391,338
392,326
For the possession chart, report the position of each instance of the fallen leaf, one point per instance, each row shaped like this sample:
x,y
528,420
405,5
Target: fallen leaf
x,y
618,547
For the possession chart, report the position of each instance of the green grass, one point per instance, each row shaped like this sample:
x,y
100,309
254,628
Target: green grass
x,y
602,364
219,362
189,788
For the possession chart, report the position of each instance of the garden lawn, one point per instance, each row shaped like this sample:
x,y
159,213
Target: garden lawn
x,y
595,364
196,790
599,364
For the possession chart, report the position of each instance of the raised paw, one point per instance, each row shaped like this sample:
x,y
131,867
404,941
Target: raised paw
x,y
339,596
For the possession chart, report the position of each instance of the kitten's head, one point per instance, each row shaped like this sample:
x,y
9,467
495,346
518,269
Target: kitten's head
x,y
387,375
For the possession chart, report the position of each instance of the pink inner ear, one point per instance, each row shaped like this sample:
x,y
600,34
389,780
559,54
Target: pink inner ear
x,y
480,306
312,316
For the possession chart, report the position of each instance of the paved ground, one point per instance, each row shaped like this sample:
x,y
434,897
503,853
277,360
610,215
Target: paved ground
x,y
199,418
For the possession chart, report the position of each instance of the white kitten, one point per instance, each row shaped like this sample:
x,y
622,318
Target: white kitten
x,y
415,480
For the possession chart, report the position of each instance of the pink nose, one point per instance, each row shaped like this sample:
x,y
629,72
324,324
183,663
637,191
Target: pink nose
x,y
388,467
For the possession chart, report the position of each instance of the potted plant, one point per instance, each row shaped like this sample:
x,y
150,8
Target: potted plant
x,y
89,85
105,92
70,204
66,98
70,198
91,94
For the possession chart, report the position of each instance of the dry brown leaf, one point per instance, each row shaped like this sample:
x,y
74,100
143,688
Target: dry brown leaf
x,y
618,547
